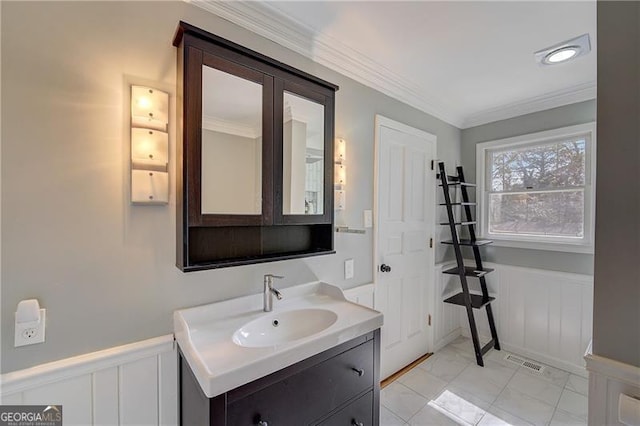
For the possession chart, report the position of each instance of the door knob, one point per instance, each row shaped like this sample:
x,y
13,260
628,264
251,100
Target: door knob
x,y
385,268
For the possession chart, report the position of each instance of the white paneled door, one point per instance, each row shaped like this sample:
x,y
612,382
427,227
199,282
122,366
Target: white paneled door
x,y
405,192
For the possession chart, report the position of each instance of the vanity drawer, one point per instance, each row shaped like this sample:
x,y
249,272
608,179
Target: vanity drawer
x,y
304,397
359,412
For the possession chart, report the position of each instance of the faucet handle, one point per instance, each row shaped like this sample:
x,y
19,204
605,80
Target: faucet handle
x,y
274,276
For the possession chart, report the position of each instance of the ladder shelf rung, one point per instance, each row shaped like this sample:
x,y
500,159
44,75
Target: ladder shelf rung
x,y
477,300
469,271
460,184
475,243
490,345
449,178
459,204
459,223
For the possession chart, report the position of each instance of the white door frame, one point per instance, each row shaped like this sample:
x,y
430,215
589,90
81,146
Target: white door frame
x,y
382,121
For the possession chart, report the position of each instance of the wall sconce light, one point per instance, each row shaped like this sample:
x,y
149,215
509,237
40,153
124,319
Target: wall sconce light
x,y
340,174
341,151
340,199
149,146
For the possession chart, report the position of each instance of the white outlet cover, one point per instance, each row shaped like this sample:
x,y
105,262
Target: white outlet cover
x,y
29,333
348,269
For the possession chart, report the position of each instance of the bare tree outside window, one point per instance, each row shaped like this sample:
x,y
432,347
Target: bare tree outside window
x,y
538,189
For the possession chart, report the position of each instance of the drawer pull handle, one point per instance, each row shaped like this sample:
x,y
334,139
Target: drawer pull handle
x,y
354,422
360,373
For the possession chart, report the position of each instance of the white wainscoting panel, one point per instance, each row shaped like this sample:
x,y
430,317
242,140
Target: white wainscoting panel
x,y
554,313
540,314
105,397
70,393
362,295
167,388
608,379
134,384
446,318
14,399
139,388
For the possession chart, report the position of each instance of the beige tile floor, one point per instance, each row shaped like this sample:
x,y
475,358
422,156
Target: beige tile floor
x,y
450,389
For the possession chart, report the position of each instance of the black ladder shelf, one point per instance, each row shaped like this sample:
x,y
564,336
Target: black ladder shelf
x,y
464,298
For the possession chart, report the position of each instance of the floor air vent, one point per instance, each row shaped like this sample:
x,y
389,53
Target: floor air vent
x,y
529,365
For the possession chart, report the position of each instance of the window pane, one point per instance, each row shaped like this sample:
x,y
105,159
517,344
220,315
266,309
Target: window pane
x,y
555,165
545,213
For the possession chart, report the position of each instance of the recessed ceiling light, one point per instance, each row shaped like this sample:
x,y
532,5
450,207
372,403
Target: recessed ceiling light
x,y
562,55
564,51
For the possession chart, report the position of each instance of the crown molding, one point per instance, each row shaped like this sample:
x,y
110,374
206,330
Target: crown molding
x,y
572,95
230,127
266,21
269,22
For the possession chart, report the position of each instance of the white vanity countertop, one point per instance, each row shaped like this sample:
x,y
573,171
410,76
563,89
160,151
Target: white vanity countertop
x,y
204,334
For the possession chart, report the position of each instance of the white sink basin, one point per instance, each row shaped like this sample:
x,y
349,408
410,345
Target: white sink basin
x,y
283,327
233,342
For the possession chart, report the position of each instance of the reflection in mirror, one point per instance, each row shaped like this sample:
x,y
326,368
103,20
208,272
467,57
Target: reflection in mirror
x,y
303,156
231,175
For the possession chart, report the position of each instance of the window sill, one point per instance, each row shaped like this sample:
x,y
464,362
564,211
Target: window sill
x,y
542,245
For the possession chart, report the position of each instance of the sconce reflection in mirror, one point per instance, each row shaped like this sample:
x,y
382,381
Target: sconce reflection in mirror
x,y
340,177
149,146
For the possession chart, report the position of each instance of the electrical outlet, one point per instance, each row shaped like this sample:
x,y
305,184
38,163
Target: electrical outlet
x,y
348,269
29,333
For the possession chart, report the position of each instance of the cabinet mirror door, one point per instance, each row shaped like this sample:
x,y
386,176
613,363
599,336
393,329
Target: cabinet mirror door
x,y
236,103
302,156
231,144
305,160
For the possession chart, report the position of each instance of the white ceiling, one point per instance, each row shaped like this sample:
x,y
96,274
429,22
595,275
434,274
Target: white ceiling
x,y
467,63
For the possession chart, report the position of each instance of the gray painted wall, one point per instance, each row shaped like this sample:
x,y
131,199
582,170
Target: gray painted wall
x,y
104,269
569,115
616,317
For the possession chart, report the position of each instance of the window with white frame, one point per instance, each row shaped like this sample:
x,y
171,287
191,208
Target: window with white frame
x,y
536,190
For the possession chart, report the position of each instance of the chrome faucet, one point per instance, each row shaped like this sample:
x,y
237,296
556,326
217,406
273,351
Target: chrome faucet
x,y
269,292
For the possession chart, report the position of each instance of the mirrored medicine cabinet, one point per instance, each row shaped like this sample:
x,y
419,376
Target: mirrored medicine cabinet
x,y
255,156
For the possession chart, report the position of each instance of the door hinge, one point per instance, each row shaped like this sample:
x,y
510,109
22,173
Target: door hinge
x,y
430,242
429,320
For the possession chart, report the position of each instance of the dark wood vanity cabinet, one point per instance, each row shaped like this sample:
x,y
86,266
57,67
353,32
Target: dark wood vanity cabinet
x,y
255,156
338,387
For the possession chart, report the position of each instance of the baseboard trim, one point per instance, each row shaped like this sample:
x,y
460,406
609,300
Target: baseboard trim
x,y
447,339
536,356
545,359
